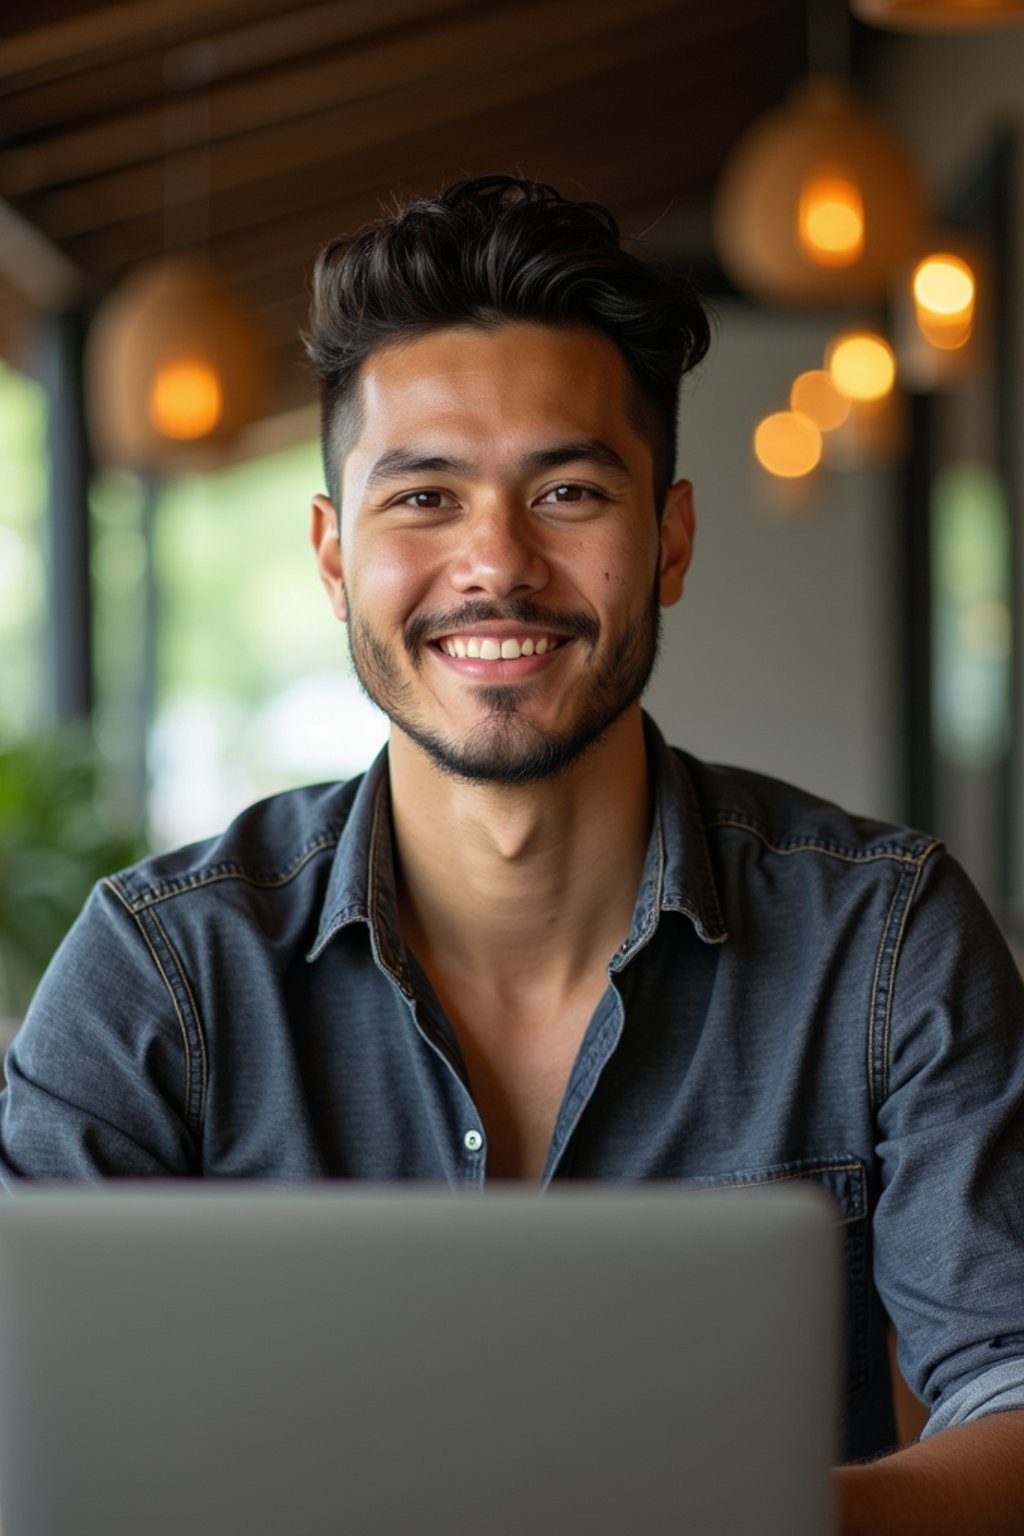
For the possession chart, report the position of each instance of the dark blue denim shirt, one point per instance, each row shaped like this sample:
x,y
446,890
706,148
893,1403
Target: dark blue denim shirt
x,y
802,995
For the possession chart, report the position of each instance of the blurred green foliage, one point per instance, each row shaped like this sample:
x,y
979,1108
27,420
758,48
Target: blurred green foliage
x,y
56,839
242,612
23,486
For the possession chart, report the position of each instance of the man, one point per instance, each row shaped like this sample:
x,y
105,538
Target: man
x,y
533,942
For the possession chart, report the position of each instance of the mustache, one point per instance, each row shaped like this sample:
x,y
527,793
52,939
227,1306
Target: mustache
x,y
581,626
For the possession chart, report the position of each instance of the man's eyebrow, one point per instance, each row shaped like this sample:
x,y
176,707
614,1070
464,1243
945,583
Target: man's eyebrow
x,y
397,463
585,450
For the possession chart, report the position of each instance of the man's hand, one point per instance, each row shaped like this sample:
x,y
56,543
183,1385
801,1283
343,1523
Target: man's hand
x,y
965,1481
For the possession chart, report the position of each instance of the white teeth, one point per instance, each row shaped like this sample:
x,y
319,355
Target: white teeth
x,y
497,650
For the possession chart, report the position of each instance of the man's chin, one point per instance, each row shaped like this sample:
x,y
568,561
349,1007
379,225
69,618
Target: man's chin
x,y
506,750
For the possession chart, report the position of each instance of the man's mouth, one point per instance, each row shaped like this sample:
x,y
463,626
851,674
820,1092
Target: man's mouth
x,y
491,648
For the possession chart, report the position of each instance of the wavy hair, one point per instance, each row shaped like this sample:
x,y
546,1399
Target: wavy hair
x,y
486,252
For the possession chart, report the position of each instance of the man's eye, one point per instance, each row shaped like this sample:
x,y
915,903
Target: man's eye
x,y
568,493
427,500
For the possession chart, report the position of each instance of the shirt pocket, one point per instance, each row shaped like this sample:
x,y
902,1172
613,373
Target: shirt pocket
x,y
845,1179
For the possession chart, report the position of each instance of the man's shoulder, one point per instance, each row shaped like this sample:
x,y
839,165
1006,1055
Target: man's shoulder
x,y
787,819
267,846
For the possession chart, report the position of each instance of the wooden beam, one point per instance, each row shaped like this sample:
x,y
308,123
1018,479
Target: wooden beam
x,y
34,266
201,59
502,44
361,127
64,46
566,126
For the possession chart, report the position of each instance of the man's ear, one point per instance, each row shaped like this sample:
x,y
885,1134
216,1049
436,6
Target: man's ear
x,y
324,533
678,527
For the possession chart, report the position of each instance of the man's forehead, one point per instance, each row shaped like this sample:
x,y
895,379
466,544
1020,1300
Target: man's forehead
x,y
451,391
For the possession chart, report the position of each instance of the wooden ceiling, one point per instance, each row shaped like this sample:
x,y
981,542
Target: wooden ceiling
x,y
251,131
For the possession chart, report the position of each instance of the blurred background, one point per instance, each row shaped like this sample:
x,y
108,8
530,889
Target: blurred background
x,y
844,186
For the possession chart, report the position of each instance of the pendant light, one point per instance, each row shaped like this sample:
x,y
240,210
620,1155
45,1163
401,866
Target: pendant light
x,y
173,367
938,15
817,202
938,309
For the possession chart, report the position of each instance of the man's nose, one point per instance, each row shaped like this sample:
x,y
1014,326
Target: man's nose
x,y
499,555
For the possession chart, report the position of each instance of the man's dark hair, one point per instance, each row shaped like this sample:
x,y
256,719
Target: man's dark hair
x,y
481,254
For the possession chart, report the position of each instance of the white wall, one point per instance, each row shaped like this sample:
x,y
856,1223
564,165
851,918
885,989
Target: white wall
x,y
783,654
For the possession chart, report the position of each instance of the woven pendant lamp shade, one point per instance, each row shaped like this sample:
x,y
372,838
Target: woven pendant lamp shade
x,y
937,15
172,367
823,136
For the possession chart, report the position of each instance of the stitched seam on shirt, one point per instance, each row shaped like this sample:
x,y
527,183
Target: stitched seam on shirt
x,y
874,1068
218,872
821,845
170,992
786,1176
200,1033
885,1043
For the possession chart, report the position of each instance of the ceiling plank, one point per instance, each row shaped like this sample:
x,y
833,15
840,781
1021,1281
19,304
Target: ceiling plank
x,y
204,118
113,30
128,84
253,162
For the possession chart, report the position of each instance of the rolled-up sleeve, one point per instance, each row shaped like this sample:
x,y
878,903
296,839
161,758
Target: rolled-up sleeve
x,y
949,1225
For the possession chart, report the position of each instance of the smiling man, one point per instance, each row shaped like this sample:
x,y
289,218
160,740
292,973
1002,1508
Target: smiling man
x,y
533,942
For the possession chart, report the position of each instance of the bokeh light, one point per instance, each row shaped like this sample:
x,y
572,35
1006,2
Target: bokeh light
x,y
862,366
944,290
186,400
813,394
788,444
831,218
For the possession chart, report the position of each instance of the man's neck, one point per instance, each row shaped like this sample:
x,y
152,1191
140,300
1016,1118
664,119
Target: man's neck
x,y
499,883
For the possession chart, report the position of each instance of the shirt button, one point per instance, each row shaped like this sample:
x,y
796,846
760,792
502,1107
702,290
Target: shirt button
x,y
472,1141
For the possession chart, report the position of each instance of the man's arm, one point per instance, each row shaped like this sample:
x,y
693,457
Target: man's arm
x,y
964,1481
96,1077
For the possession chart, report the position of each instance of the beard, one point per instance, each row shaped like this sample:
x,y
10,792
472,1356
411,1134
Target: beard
x,y
506,747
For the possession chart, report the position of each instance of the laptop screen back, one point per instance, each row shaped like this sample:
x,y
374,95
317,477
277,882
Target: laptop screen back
x,y
407,1361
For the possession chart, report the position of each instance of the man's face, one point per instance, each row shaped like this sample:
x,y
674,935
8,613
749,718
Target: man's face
x,y
500,561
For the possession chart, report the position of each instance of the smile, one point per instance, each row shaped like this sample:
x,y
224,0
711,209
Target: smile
x,y
487,648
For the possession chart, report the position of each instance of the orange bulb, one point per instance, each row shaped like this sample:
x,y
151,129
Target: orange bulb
x,y
862,366
814,395
831,218
943,285
944,291
186,399
787,444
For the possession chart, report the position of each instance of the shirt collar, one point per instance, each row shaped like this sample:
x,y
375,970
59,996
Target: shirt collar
x,y
361,887
677,874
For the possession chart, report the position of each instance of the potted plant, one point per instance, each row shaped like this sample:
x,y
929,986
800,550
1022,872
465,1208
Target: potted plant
x,y
56,840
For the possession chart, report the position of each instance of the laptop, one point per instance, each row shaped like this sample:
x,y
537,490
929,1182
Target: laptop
x,y
253,1360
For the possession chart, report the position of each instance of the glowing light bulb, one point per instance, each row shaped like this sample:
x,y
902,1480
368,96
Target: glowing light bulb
x,y
186,399
862,366
830,218
787,444
813,394
944,291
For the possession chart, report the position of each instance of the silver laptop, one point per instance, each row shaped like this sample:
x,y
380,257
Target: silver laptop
x,y
269,1361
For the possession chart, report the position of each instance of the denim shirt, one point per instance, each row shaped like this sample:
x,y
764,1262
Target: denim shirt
x,y
802,995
